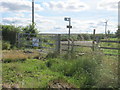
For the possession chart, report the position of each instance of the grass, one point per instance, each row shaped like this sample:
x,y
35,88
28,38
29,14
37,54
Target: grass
x,y
90,70
16,55
108,69
29,74
112,45
114,39
79,70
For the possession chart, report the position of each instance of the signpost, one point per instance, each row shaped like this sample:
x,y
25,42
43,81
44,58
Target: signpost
x,y
68,26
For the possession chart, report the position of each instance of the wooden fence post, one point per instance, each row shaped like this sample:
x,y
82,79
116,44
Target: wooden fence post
x,y
94,40
18,40
58,43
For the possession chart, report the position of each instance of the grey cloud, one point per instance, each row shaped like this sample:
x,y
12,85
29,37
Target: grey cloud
x,y
66,5
8,21
50,5
14,6
71,7
59,5
12,20
82,6
108,5
18,6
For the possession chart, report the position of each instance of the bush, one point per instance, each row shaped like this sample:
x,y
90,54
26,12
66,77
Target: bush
x,y
82,69
6,45
9,33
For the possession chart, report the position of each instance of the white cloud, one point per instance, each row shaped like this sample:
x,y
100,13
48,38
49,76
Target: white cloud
x,y
67,5
18,6
108,5
57,25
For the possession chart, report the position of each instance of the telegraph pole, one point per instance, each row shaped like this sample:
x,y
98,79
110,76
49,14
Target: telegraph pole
x,y
32,12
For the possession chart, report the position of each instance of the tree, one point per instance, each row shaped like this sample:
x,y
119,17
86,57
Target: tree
x,y
9,33
30,29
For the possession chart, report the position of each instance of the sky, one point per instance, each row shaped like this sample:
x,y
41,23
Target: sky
x,y
85,15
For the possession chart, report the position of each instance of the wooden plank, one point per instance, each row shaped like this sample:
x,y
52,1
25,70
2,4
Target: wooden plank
x,y
110,41
110,48
76,45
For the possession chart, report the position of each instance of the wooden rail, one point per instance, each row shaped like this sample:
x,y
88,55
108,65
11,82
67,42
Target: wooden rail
x,y
110,48
76,45
110,41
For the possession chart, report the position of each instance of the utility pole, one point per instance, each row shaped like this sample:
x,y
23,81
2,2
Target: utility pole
x,y
32,12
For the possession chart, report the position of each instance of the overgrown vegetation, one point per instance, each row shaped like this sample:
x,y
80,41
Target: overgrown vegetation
x,y
9,34
79,71
79,67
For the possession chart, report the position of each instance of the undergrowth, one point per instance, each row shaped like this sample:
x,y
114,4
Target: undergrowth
x,y
85,71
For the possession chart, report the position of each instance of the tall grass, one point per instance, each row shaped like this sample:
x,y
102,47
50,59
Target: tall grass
x,y
82,69
90,70
93,69
17,55
32,73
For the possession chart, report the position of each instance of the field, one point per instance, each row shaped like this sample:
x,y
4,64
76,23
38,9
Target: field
x,y
111,45
33,69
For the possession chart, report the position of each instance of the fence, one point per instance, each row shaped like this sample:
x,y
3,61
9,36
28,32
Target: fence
x,y
39,41
117,48
55,42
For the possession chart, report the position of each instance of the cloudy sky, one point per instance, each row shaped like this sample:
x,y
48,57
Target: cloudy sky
x,y
86,15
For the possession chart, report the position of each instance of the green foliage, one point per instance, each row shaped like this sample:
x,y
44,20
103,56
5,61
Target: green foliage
x,y
82,69
82,72
6,45
52,55
31,73
9,33
30,29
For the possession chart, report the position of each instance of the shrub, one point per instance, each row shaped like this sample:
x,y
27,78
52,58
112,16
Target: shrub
x,y
52,55
82,69
6,45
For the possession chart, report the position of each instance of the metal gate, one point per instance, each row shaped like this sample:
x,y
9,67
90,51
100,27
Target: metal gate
x,y
39,41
